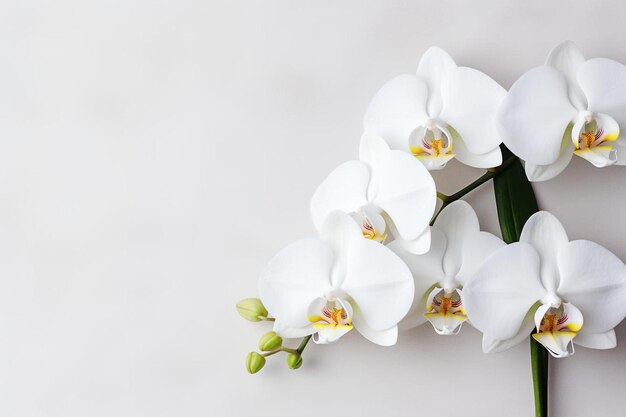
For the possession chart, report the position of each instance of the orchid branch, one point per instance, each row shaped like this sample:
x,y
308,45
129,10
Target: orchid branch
x,y
490,174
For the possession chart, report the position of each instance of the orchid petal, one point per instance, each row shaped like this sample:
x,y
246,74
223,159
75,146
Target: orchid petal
x,y
294,277
477,247
606,340
559,344
495,346
406,192
540,313
387,337
380,284
374,151
345,189
534,115
435,163
292,332
427,270
470,102
458,221
604,83
568,58
502,291
594,280
487,160
599,156
339,231
397,109
546,234
537,173
418,246
432,68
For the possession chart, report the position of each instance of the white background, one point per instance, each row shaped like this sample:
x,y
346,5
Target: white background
x,y
154,155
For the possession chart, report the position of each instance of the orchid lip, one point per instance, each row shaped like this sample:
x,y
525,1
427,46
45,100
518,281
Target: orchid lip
x,y
557,327
372,223
331,317
593,135
432,144
444,310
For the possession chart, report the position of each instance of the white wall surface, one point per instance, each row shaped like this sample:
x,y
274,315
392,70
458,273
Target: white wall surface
x,y
154,155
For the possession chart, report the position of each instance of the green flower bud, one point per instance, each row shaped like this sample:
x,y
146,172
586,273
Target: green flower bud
x,y
254,362
251,309
294,360
270,341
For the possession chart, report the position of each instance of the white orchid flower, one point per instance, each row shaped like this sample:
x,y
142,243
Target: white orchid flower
x,y
572,292
326,286
568,106
457,250
442,112
387,193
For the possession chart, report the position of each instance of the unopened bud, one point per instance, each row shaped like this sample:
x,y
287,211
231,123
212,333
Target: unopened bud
x,y
270,341
294,360
254,362
251,309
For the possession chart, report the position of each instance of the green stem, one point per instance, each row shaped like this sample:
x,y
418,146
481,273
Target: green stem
x,y
272,352
516,202
490,174
266,318
539,364
303,344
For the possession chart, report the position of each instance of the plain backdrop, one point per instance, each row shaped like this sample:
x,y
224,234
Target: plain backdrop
x,y
154,155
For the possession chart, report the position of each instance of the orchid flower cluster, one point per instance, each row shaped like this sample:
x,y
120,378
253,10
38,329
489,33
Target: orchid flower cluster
x,y
386,259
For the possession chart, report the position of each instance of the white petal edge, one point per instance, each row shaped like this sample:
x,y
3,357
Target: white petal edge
x,y
568,58
292,332
380,284
427,270
397,109
339,231
344,189
387,337
604,83
407,193
487,160
417,246
470,102
538,173
458,222
503,290
496,346
293,278
534,115
607,340
546,234
432,68
477,248
594,280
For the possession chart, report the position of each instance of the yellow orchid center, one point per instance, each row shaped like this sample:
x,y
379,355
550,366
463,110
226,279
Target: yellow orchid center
x,y
432,147
370,232
445,311
332,315
557,328
592,136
